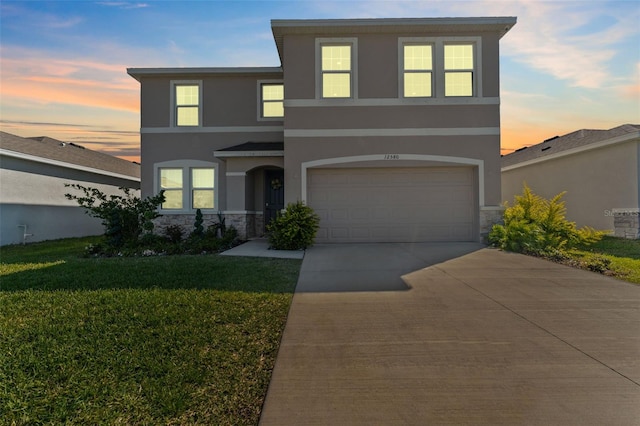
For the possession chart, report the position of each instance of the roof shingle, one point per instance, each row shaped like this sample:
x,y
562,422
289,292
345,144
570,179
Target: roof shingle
x,y
576,139
52,149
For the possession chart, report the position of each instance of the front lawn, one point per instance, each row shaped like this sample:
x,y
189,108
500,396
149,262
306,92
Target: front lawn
x,y
146,340
620,256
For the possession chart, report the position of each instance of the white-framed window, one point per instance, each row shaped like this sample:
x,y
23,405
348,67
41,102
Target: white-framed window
x,y
447,66
271,96
336,68
417,70
458,69
188,185
186,103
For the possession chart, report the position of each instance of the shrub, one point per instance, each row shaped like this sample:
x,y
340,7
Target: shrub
x,y
125,217
198,229
294,229
534,225
174,233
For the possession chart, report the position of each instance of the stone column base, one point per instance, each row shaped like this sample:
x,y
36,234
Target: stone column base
x,y
489,216
626,223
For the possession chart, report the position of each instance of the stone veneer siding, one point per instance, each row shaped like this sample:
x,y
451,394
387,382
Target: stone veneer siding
x,y
248,225
489,216
626,223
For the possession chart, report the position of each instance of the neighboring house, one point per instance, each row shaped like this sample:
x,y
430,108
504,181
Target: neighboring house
x,y
33,172
388,128
599,170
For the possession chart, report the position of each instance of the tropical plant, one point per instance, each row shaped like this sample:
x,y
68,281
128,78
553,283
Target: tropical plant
x,y
538,226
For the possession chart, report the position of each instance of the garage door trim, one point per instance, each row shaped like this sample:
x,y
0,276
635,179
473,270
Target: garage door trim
x,y
394,157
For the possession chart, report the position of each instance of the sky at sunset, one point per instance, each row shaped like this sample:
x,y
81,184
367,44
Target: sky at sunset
x,y
566,65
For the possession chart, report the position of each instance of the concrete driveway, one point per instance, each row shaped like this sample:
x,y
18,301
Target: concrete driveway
x,y
437,334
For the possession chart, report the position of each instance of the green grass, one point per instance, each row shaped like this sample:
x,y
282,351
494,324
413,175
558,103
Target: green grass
x,y
624,255
154,340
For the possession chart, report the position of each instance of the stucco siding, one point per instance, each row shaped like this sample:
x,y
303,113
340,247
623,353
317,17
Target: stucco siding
x,y
299,150
45,223
156,148
597,181
33,194
394,117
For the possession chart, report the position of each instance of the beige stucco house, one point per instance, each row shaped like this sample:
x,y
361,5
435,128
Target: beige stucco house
x,y
388,128
33,174
598,169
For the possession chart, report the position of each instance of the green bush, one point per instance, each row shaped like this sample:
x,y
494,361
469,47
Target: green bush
x,y
294,229
125,217
534,225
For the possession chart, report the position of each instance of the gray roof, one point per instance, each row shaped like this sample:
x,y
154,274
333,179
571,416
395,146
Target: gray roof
x,y
271,72
256,146
577,139
54,150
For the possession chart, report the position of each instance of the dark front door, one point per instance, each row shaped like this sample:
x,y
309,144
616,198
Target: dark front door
x,y
273,194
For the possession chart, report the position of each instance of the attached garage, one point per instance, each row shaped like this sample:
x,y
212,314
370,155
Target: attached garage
x,y
394,204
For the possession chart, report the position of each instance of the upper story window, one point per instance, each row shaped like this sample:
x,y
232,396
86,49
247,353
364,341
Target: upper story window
x,y
187,103
458,69
418,67
439,67
336,71
272,100
336,68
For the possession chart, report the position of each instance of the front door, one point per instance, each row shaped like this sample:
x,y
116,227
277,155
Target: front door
x,y
273,194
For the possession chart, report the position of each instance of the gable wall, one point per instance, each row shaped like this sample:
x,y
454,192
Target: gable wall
x,y
596,181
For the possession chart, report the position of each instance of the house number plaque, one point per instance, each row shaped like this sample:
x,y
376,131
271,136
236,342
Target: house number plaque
x,y
392,156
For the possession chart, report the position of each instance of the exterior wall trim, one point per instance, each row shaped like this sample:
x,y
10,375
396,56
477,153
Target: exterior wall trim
x,y
391,157
42,160
443,131
217,129
629,137
376,102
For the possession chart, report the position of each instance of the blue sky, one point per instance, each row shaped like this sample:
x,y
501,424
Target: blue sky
x,y
565,65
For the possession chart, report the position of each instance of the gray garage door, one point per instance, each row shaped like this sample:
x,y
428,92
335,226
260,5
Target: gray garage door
x,y
394,204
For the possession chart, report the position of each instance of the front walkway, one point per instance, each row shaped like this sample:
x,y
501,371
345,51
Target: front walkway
x,y
394,334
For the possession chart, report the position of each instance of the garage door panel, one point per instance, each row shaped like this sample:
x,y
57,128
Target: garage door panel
x,y
388,204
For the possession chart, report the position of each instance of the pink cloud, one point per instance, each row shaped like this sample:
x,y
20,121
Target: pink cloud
x,y
76,82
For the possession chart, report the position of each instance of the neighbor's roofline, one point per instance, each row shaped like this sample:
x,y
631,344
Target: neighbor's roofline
x,y
65,164
167,72
627,137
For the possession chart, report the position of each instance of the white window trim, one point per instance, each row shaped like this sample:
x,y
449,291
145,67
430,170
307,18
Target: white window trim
x,y
186,166
259,106
353,41
416,41
172,114
438,65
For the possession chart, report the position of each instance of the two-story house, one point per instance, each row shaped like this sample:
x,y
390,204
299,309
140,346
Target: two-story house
x,y
388,128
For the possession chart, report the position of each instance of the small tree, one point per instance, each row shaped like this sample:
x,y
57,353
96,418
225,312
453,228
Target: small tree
x,y
198,229
125,217
294,229
538,226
